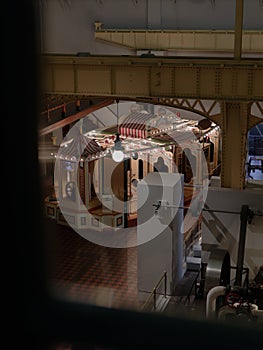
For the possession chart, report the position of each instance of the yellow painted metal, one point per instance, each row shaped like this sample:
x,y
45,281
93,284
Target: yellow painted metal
x,y
253,121
234,124
133,76
207,108
183,40
221,90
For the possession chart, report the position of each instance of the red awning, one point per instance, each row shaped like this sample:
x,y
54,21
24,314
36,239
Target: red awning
x,y
80,146
136,124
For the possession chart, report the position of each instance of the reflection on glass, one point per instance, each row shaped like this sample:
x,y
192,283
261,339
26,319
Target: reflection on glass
x,y
98,198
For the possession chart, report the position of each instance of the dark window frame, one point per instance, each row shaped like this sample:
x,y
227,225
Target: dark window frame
x,y
43,318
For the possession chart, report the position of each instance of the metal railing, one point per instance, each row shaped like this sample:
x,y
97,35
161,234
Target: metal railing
x,y
197,286
245,271
153,295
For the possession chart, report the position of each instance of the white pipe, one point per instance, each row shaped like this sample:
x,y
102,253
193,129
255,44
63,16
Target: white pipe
x,y
256,312
253,307
211,300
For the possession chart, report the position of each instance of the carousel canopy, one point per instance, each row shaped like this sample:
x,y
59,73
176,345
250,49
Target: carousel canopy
x,y
80,146
136,124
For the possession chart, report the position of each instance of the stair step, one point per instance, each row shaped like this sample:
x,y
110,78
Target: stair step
x,y
161,302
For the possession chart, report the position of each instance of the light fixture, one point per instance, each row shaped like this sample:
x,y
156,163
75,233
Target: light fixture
x,y
117,150
135,155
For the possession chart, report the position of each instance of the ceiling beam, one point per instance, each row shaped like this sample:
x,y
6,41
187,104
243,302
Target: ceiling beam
x,y
139,77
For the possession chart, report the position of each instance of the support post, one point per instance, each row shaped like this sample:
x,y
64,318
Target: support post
x,y
234,143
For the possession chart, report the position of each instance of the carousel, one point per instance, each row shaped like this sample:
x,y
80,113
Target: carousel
x,y
96,172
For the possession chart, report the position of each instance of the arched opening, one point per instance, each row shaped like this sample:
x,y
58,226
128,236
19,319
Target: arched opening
x,y
154,138
186,142
254,160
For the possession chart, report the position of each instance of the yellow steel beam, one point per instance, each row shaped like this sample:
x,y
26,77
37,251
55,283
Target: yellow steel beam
x,y
234,125
186,40
232,86
135,77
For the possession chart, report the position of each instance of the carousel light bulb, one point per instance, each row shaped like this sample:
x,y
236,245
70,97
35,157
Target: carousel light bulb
x,y
117,156
117,150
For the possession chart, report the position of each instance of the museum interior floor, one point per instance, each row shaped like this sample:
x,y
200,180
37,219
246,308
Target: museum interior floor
x,y
87,272
82,271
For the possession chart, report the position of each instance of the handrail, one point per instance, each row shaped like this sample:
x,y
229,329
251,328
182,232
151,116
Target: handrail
x,y
153,292
193,284
201,271
245,271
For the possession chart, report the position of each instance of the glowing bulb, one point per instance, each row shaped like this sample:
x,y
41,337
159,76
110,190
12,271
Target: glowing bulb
x,y
117,156
117,150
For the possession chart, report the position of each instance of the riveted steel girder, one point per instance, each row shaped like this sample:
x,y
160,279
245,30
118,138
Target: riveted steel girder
x,y
182,40
133,76
221,90
234,122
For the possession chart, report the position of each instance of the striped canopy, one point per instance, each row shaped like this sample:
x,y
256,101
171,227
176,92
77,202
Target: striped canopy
x,y
137,124
80,146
